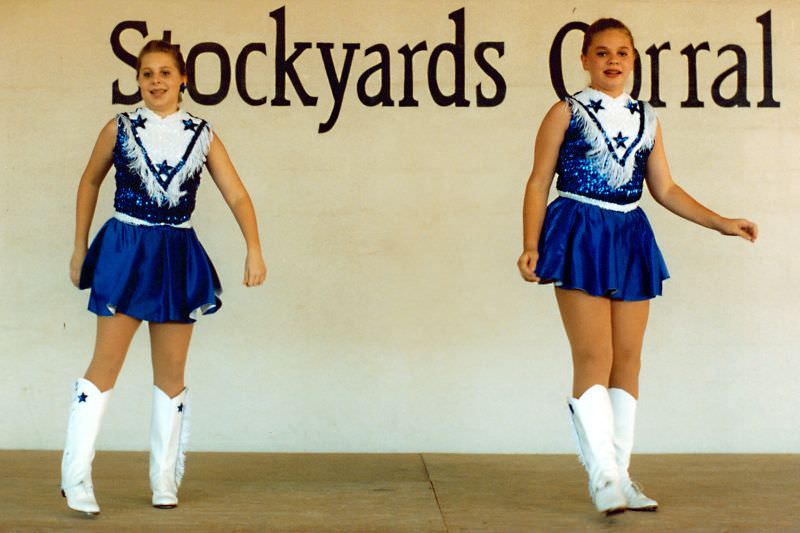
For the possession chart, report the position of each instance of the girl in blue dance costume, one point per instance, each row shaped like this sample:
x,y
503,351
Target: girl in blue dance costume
x,y
596,245
146,264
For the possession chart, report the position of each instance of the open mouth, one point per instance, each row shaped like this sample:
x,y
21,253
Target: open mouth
x,y
612,73
157,92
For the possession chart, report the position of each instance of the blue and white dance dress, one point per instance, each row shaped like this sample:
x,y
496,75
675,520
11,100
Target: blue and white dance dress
x,y
595,237
146,262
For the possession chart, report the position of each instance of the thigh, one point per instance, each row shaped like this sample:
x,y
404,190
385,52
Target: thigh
x,y
628,323
169,342
114,334
587,321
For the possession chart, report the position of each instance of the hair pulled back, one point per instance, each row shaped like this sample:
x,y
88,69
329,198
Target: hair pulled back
x,y
602,25
157,45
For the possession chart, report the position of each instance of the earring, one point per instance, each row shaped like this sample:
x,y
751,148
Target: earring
x,y
183,87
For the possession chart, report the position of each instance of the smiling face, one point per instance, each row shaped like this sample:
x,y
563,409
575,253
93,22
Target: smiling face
x,y
159,81
609,61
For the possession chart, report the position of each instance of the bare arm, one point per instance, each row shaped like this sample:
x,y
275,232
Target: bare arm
x,y
667,193
235,195
88,189
545,157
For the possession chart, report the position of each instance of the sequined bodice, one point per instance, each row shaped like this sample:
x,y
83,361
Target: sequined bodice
x,y
158,162
606,146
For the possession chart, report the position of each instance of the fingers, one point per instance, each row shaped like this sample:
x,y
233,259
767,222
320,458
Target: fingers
x,y
74,275
254,278
752,230
747,230
526,265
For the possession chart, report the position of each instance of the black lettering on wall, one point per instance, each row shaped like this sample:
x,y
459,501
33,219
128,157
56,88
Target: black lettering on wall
x,y
117,96
556,72
224,73
455,49
655,82
691,57
285,67
766,42
739,99
241,73
338,84
493,73
384,95
408,73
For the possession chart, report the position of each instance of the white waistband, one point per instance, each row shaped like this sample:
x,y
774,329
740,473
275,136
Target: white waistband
x,y
623,208
122,217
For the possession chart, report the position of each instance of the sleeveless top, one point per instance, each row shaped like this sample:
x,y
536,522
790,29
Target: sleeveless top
x,y
604,154
158,162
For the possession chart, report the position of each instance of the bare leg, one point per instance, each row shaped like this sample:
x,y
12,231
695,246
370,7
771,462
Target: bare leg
x,y
587,321
114,334
628,322
169,344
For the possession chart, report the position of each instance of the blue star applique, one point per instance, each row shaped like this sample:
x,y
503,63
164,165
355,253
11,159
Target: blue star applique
x,y
632,106
596,105
620,140
164,168
188,124
180,408
138,122
82,398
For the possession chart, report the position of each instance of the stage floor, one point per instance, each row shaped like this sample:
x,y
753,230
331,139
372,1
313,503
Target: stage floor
x,y
404,493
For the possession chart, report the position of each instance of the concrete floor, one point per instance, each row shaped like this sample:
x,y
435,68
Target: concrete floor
x,y
404,493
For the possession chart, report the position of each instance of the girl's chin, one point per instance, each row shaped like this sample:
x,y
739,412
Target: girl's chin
x,y
611,89
161,103
609,83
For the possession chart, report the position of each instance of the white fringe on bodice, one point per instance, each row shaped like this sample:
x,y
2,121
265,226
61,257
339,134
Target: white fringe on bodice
x,y
614,118
165,140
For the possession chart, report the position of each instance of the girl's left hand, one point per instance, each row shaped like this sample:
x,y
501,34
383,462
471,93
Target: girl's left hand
x,y
739,227
255,270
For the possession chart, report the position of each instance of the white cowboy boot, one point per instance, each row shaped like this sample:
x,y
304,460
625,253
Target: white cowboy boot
x,y
624,407
593,429
85,414
168,434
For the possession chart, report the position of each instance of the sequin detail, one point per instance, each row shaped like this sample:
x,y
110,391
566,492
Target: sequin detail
x,y
604,155
161,191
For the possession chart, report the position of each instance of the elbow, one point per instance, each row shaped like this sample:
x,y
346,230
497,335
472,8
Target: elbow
x,y
662,194
539,184
239,201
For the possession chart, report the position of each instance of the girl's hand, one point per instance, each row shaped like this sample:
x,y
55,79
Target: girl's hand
x,y
527,265
75,264
255,270
738,227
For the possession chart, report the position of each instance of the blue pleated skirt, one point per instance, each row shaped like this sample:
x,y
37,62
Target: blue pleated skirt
x,y
600,251
153,273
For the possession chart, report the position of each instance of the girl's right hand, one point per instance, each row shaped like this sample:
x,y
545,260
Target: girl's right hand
x,y
527,265
75,265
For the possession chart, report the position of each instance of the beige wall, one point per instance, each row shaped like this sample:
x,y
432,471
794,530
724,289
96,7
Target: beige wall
x,y
394,318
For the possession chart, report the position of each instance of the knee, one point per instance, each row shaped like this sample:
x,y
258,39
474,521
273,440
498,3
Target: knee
x,y
170,367
628,359
593,357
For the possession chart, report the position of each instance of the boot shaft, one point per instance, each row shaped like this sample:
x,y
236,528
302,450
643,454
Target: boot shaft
x,y
168,433
593,424
87,407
